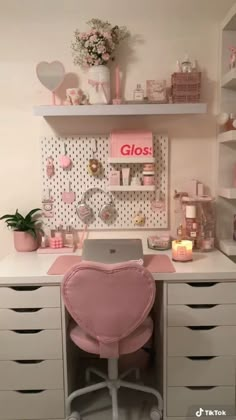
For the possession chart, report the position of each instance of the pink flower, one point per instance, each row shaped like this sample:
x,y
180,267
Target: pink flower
x,y
107,35
101,49
105,56
93,38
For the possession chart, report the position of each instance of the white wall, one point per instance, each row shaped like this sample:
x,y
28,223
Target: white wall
x,y
162,31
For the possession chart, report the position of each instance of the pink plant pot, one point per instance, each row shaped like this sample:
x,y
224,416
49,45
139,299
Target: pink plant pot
x,y
24,242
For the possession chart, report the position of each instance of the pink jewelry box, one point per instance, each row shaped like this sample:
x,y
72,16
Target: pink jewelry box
x,y
129,144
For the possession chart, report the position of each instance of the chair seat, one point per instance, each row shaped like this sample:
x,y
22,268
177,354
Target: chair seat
x,y
127,345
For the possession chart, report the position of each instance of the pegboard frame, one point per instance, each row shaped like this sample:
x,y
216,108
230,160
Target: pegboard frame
x,y
127,203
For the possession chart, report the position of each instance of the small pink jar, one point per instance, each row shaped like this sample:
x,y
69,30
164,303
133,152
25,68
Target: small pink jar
x,y
148,178
148,167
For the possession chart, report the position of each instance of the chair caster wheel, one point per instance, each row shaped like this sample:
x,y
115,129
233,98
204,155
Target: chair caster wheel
x,y
155,414
74,416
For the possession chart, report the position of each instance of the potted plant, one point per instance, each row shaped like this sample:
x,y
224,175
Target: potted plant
x,y
25,230
93,50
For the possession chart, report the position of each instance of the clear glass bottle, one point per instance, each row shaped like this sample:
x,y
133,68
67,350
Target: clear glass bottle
x,y
69,237
138,93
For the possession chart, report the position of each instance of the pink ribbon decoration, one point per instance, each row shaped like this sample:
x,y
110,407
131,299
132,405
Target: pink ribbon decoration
x,y
97,84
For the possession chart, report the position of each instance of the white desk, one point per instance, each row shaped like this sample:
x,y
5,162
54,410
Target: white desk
x,y
175,343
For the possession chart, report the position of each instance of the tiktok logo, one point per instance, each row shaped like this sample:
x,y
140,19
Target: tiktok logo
x,y
200,412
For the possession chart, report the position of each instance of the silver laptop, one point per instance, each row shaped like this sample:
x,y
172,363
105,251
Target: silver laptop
x,y
109,251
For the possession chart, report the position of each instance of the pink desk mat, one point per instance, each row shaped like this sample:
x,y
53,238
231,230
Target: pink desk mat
x,y
154,263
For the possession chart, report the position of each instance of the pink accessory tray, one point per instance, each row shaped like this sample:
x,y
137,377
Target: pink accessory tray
x,y
154,263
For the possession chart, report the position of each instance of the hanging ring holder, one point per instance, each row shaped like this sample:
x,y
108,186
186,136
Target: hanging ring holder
x,y
107,213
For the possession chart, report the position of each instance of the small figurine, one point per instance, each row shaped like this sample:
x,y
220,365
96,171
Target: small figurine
x,y
94,167
139,219
50,167
232,59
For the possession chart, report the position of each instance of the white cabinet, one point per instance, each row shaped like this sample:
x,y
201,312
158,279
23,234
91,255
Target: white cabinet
x,y
200,348
31,356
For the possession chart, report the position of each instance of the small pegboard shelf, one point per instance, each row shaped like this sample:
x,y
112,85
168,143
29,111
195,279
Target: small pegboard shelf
x,y
128,203
131,160
131,188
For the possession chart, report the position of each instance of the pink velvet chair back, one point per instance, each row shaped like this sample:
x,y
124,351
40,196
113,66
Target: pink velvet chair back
x,y
108,301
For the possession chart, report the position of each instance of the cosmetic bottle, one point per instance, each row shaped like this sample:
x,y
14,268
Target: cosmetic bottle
x,y
138,93
191,223
69,237
58,232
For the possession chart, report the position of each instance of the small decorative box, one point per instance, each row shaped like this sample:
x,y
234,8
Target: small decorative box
x,y
156,91
159,242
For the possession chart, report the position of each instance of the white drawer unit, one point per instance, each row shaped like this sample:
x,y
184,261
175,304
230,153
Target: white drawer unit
x,y
195,315
46,374
184,371
46,344
30,297
201,293
218,341
32,319
182,401
47,404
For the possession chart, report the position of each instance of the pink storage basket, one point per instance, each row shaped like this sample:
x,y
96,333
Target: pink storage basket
x,y
186,87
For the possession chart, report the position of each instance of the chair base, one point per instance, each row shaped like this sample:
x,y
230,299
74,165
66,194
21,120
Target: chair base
x,y
113,383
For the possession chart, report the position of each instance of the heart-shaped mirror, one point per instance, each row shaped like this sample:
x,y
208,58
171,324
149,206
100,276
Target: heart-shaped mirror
x,y
51,75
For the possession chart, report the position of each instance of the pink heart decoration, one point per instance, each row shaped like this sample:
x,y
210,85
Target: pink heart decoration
x,y
51,75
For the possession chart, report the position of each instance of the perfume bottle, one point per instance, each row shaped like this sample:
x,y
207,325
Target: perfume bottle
x,y
138,93
69,237
191,223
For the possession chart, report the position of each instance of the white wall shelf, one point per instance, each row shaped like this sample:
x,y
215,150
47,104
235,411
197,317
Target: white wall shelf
x,y
228,136
229,80
228,246
229,23
131,188
229,193
128,160
116,110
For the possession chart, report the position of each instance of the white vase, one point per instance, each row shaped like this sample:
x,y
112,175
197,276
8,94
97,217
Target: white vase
x,y
99,89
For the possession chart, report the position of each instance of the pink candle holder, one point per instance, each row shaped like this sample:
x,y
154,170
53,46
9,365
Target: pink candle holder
x,y
182,251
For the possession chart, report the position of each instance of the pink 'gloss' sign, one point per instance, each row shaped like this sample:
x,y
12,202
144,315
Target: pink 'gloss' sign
x,y
131,144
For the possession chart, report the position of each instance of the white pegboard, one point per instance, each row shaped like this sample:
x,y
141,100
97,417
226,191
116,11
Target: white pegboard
x,y
127,203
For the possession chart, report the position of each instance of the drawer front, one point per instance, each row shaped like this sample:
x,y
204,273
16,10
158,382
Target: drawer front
x,y
30,297
32,319
201,293
184,315
28,406
46,374
186,402
218,341
183,371
46,344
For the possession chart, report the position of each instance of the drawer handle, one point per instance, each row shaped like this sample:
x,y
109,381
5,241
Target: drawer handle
x,y
201,357
203,284
25,288
206,327
25,309
27,331
202,306
30,391
197,388
28,362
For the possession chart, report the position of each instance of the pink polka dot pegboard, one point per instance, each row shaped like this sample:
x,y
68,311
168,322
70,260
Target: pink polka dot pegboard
x,y
127,203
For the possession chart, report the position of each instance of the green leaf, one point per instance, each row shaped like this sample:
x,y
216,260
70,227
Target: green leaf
x,y
6,216
30,214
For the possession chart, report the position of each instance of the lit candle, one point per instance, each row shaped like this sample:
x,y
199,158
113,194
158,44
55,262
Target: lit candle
x,y
182,250
117,73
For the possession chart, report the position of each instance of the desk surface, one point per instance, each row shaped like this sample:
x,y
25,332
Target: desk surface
x,y
31,268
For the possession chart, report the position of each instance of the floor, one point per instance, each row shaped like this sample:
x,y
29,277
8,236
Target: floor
x,y
133,405
97,406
